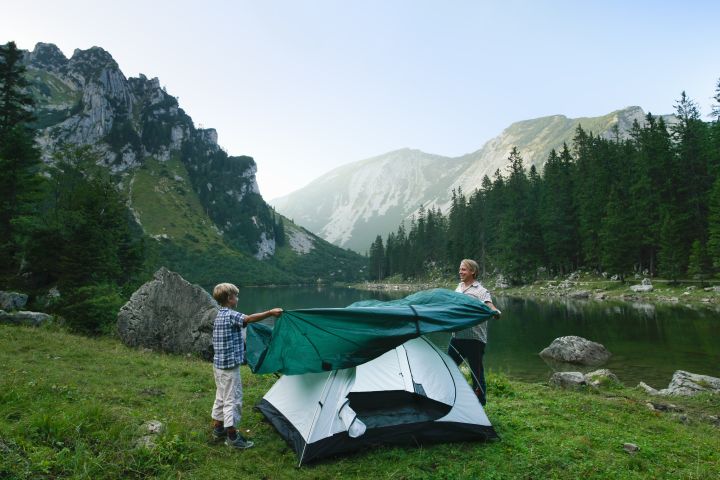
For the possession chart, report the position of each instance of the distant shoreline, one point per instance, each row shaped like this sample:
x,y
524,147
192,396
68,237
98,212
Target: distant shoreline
x,y
689,293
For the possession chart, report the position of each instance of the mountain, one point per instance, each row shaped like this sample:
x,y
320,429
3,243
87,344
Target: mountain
x,y
201,206
537,137
351,205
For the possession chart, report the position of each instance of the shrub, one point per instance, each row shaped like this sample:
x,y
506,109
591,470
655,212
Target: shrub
x,y
92,309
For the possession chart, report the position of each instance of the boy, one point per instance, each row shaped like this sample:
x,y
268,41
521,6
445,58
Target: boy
x,y
229,352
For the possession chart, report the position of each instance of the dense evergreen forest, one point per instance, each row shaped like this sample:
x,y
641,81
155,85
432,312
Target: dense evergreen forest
x,y
648,203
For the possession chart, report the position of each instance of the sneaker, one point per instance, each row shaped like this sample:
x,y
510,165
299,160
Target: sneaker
x,y
239,442
219,433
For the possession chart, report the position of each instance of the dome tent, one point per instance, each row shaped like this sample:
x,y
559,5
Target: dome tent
x,y
413,394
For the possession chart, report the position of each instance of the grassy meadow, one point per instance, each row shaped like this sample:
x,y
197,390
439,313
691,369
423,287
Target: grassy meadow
x,y
73,407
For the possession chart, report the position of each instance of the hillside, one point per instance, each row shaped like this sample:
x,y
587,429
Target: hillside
x,y
200,207
73,407
352,204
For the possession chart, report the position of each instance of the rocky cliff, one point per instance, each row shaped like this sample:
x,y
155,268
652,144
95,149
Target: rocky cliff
x,y
183,188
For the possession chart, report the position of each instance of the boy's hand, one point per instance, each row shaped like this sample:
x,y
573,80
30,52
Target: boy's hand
x,y
275,312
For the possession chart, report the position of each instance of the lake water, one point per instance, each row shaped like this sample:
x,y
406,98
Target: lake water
x,y
648,342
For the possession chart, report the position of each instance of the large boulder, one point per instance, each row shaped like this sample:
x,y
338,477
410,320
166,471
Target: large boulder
x,y
169,314
12,300
574,349
686,384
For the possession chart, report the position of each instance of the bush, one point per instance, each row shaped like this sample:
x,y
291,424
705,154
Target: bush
x,y
92,309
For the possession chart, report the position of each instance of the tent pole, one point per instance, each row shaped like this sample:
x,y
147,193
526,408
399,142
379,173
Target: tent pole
x,y
321,404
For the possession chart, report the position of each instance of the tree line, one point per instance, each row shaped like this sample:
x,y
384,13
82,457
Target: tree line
x,y
65,225
648,203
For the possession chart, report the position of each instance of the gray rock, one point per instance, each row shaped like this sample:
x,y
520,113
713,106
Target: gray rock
x,y
568,380
574,349
153,427
685,384
601,377
648,389
663,407
33,319
641,288
630,448
688,384
12,300
580,294
169,314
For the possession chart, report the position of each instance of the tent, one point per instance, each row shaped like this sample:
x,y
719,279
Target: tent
x,y
413,393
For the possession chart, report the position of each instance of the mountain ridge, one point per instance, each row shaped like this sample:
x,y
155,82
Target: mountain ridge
x,y
348,220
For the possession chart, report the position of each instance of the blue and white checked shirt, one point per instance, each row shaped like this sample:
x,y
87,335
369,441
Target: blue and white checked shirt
x,y
227,338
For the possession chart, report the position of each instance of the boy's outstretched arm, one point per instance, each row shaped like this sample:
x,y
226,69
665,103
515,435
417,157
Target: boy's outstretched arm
x,y
256,317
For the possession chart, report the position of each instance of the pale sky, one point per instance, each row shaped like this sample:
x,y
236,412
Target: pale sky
x,y
304,86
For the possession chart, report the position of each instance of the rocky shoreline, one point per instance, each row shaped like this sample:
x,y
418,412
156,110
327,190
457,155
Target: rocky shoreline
x,y
585,287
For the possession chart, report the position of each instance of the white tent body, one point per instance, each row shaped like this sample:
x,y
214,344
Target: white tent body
x,y
411,394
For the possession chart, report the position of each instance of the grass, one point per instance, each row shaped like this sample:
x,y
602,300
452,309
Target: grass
x,y
72,407
163,198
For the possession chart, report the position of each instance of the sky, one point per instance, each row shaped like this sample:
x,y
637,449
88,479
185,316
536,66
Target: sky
x,y
304,86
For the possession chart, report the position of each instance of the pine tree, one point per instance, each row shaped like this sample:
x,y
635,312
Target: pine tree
x,y
716,107
515,249
714,159
698,263
615,236
713,245
15,103
377,259
673,252
652,185
19,159
456,244
691,166
590,194
557,213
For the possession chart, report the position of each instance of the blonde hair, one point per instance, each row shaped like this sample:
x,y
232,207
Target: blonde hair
x,y
472,266
222,292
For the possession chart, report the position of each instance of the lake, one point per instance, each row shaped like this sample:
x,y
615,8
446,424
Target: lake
x,y
648,342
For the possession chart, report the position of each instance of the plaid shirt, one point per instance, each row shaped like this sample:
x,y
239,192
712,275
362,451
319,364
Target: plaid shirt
x,y
479,331
227,338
